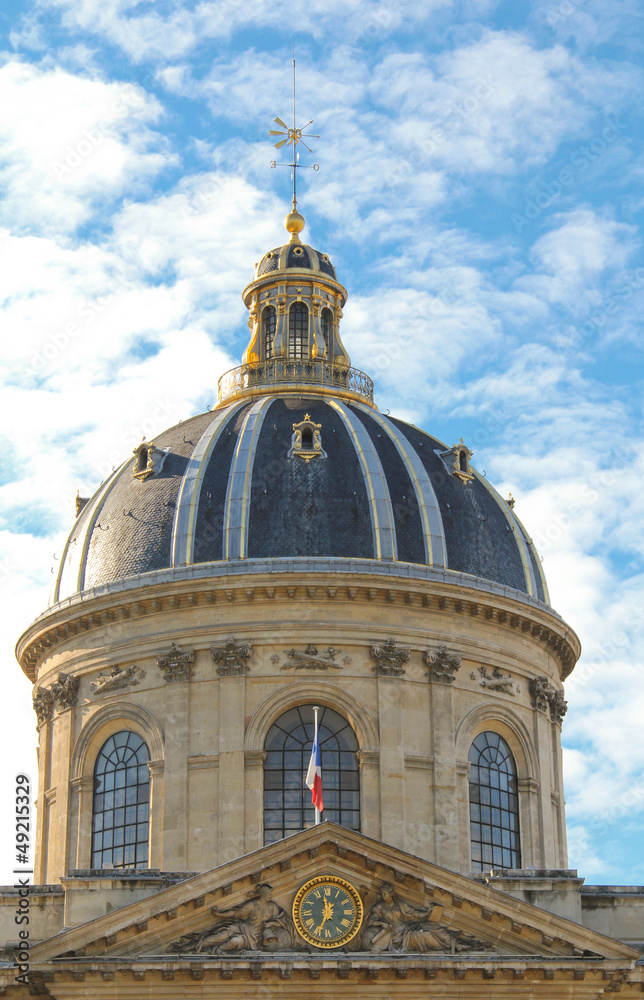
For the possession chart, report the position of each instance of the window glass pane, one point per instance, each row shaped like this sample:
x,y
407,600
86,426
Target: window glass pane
x,y
121,770
287,800
494,812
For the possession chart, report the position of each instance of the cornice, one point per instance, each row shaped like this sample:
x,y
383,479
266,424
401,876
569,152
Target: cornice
x,y
315,580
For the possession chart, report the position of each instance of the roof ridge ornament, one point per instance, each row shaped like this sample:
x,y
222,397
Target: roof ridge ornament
x,y
294,221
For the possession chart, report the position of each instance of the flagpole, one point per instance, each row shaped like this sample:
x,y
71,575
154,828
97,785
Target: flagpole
x,y
316,709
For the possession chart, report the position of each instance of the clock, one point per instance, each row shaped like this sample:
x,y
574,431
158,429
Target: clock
x,y
327,911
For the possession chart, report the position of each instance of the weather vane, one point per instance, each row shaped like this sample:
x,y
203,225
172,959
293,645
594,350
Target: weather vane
x,y
293,137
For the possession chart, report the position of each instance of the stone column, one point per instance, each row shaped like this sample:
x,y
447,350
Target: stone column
x,y
254,800
448,834
231,767
80,832
463,812
59,798
155,859
175,777
41,819
370,793
530,823
392,761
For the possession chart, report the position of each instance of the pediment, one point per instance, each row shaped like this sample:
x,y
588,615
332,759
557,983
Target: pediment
x,y
413,911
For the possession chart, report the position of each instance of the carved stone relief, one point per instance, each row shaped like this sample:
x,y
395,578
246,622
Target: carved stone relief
x,y
496,681
43,701
118,677
395,925
257,924
63,692
176,664
232,657
389,658
547,698
312,659
442,665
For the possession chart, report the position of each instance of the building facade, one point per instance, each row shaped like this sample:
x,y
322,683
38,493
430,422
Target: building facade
x,y
295,549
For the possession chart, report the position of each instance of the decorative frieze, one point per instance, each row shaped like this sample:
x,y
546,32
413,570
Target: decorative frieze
x,y
232,657
176,664
257,924
389,657
117,678
442,665
547,698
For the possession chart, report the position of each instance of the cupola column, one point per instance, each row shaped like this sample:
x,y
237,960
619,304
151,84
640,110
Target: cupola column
x,y
175,777
231,767
392,760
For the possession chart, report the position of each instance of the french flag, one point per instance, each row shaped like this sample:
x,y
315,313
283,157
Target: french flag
x,y
314,774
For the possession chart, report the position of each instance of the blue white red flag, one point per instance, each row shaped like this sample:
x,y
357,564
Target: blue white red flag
x,y
314,774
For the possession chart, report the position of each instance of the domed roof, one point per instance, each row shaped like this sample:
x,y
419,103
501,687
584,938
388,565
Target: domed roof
x,y
298,481
295,255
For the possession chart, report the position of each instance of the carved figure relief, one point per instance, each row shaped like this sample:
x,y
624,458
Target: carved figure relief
x,y
232,657
306,441
148,459
118,677
442,665
176,664
257,924
312,659
395,925
389,658
546,698
496,681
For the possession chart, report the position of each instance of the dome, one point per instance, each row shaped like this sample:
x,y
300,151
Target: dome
x,y
301,480
295,255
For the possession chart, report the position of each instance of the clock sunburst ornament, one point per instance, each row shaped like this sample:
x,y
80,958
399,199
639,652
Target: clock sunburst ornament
x,y
327,911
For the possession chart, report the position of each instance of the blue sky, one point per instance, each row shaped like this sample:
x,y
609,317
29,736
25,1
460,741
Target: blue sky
x,y
480,193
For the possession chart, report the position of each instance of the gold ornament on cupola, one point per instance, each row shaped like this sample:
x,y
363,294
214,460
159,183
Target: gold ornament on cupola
x,y
295,306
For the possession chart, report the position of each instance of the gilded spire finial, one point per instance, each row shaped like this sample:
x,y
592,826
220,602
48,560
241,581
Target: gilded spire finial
x,y
294,222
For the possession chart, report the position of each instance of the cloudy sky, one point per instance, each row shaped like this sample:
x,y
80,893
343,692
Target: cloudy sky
x,y
480,194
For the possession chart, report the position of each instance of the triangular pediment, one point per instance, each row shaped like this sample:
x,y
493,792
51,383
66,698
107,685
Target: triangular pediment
x,y
446,915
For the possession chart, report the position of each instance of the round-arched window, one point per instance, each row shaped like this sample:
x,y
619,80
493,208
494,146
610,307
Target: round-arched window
x,y
269,317
121,803
287,800
298,331
494,804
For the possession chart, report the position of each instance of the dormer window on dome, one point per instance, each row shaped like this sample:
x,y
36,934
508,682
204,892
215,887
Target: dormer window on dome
x,y
457,461
148,460
306,442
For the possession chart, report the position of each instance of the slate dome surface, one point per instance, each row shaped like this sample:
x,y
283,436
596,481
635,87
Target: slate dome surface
x,y
228,497
295,255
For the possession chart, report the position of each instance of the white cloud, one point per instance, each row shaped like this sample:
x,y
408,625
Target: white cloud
x,y
71,145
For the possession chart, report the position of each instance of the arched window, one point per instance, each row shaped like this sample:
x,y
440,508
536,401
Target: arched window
x,y
298,331
287,800
269,318
327,327
121,803
494,804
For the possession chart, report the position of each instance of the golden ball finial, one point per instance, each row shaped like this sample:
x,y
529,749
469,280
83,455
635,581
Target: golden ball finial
x,y
294,224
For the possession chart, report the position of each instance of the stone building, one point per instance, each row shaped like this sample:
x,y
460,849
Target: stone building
x,y
295,548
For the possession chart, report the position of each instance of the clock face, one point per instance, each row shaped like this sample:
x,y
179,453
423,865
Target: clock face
x,y
327,911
